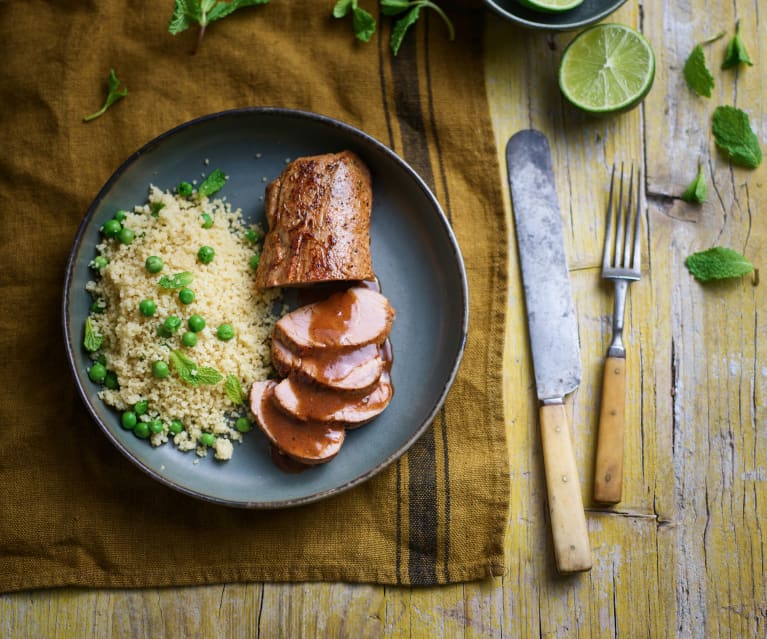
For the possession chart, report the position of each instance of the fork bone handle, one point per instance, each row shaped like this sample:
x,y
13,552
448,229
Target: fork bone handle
x,y
572,550
608,467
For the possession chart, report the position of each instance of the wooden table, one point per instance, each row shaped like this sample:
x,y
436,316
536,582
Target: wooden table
x,y
684,553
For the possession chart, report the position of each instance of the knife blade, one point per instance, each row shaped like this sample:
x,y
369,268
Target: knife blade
x,y
553,331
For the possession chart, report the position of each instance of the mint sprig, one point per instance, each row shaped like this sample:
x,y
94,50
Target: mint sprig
x,y
412,10
734,135
696,72
363,23
114,93
717,263
187,13
188,371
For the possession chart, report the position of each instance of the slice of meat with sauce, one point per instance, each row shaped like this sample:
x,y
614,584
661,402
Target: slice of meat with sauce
x,y
318,212
309,443
345,320
352,371
311,403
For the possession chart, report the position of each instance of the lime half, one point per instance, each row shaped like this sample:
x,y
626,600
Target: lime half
x,y
550,5
607,68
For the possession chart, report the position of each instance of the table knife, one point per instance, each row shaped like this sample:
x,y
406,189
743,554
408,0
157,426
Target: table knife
x,y
553,331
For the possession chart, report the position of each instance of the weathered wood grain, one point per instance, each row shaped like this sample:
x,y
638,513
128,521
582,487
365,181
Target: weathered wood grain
x,y
683,554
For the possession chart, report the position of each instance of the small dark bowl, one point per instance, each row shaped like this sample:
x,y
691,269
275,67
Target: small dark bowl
x,y
588,12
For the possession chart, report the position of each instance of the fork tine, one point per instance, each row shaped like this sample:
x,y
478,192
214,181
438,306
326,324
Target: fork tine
x,y
637,252
619,215
606,251
629,226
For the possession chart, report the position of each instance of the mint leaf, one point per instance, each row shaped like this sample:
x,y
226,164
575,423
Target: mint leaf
x,y
185,368
734,135
179,280
92,340
698,77
114,93
342,7
212,184
736,51
208,375
413,8
234,390
364,24
393,7
717,263
697,191
401,27
187,13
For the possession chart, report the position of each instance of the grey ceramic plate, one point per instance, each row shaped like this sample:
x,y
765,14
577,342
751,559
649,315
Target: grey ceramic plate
x,y
588,12
415,256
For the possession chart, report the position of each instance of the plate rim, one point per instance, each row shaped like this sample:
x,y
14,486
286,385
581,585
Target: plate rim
x,y
569,26
366,139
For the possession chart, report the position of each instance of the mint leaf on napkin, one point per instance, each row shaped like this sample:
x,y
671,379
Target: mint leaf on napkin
x,y
733,134
413,10
114,93
363,23
717,263
697,191
736,51
187,13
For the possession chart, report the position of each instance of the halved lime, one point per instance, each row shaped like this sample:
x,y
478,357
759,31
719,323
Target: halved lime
x,y
607,68
550,5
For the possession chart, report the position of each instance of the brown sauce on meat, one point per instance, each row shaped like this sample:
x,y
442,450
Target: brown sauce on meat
x,y
333,365
329,323
307,440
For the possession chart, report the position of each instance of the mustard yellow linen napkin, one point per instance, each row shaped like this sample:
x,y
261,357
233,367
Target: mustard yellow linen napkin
x,y
73,510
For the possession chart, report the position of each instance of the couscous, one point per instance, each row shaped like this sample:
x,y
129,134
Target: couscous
x,y
178,329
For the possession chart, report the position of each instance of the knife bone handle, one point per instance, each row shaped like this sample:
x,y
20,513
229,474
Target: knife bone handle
x,y
572,550
608,468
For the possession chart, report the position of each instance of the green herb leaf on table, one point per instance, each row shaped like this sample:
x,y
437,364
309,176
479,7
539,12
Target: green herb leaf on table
x,y
92,340
212,184
187,13
736,51
114,93
717,263
696,72
734,135
697,191
233,390
179,280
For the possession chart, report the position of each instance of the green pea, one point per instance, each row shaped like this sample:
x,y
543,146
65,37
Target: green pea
x,y
99,262
186,296
120,215
172,323
176,426
189,339
141,407
254,260
125,235
153,264
225,332
111,228
207,221
128,420
110,381
160,369
243,424
196,323
252,235
97,372
141,430
147,308
156,426
207,439
206,254
184,189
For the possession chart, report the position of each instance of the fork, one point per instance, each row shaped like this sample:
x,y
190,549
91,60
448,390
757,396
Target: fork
x,y
620,263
